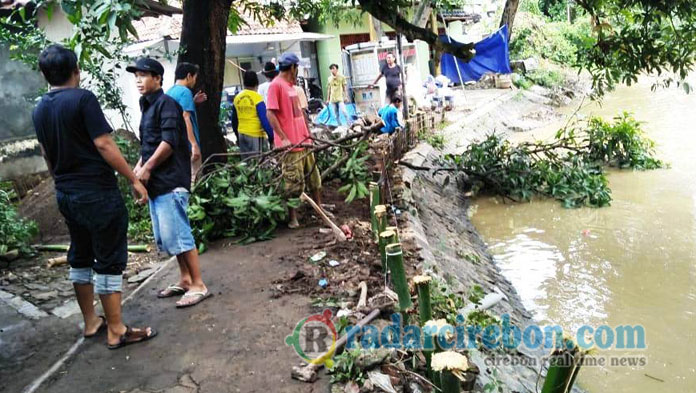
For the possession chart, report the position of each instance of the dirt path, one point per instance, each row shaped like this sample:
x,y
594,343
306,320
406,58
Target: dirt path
x,y
233,342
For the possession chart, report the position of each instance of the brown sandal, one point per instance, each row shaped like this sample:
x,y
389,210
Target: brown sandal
x,y
133,337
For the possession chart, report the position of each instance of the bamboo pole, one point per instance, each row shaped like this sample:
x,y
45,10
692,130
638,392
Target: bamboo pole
x,y
563,369
424,306
374,201
450,365
395,262
396,233
381,216
384,239
65,247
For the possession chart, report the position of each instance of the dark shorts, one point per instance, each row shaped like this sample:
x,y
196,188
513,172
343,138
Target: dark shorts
x,y
98,225
392,92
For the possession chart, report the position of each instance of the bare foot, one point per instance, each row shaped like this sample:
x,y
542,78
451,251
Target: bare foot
x,y
94,326
293,224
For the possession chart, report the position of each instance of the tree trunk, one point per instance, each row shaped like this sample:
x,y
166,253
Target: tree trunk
x,y
509,15
203,36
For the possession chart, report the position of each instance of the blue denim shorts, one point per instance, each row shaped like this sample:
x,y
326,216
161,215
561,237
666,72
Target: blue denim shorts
x,y
104,284
170,224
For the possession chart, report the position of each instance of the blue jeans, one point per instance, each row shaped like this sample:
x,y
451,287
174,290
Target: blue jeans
x,y
98,224
170,224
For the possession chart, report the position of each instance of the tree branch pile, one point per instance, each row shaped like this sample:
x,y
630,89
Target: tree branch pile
x,y
569,169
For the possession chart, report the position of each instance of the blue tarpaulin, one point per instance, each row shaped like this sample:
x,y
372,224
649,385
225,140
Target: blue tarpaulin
x,y
328,117
492,55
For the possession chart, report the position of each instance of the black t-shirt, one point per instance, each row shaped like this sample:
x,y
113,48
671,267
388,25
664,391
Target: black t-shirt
x,y
163,121
66,123
392,75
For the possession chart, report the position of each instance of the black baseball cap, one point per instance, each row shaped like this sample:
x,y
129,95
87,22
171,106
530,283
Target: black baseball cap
x,y
146,64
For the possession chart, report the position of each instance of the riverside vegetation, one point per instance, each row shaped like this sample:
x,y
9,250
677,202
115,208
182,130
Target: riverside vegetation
x,y
569,169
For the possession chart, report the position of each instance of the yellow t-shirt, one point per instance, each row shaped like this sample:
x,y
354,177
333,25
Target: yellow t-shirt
x,y
249,122
336,85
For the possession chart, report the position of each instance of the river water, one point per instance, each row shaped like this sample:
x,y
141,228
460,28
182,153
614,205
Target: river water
x,y
631,263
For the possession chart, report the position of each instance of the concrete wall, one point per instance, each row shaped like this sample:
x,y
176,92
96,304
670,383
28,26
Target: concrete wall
x,y
20,86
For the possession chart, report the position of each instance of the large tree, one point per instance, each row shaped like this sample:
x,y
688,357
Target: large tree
x,y
629,37
204,44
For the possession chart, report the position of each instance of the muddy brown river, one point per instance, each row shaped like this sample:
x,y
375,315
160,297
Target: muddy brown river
x,y
632,263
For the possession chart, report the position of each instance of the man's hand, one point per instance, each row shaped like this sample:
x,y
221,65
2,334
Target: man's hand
x,y
195,152
140,193
143,174
346,101
200,97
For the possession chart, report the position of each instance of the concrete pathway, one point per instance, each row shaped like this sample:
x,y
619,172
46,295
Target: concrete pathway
x,y
232,342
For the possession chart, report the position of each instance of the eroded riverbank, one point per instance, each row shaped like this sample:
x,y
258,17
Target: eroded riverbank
x,y
450,245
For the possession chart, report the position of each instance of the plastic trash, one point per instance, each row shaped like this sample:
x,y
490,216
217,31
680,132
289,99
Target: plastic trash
x,y
334,263
323,283
318,256
381,381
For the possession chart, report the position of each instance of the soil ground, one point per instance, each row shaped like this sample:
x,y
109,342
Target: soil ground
x,y
233,342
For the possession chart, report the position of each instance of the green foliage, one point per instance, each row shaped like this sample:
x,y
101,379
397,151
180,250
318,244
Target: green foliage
x,y
16,233
631,38
239,199
568,169
559,42
139,224
433,139
476,294
621,144
546,78
523,83
355,174
445,304
345,368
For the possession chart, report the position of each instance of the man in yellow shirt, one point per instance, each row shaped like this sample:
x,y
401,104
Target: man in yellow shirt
x,y
249,119
338,94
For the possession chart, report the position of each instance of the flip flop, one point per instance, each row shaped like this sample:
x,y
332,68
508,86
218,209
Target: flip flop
x,y
133,337
199,297
99,329
171,291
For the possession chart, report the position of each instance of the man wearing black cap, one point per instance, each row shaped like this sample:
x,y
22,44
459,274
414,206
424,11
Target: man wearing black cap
x,y
75,139
290,129
270,71
164,167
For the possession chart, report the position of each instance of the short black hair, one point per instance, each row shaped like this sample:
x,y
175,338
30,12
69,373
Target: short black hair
x,y
395,99
183,69
332,66
57,64
250,79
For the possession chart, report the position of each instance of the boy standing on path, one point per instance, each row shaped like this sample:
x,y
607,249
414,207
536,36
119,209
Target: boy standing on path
x,y
164,167
249,119
338,94
289,129
186,75
81,157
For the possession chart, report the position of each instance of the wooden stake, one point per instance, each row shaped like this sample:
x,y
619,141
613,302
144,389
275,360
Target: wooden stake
x,y
340,236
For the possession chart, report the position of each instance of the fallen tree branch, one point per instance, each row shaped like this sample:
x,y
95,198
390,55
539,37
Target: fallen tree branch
x,y
308,373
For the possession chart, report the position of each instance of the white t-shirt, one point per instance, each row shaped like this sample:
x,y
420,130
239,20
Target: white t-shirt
x,y
263,90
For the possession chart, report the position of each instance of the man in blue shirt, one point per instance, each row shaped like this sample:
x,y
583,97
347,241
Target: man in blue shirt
x,y
390,116
186,75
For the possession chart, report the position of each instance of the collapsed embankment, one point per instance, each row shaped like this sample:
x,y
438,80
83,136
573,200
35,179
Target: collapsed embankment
x,y
448,243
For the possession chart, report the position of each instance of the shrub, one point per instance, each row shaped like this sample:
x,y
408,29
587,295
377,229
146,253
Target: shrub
x,y
16,233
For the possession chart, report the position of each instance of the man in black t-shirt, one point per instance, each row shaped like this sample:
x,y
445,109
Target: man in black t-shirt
x,y
392,73
81,155
164,167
